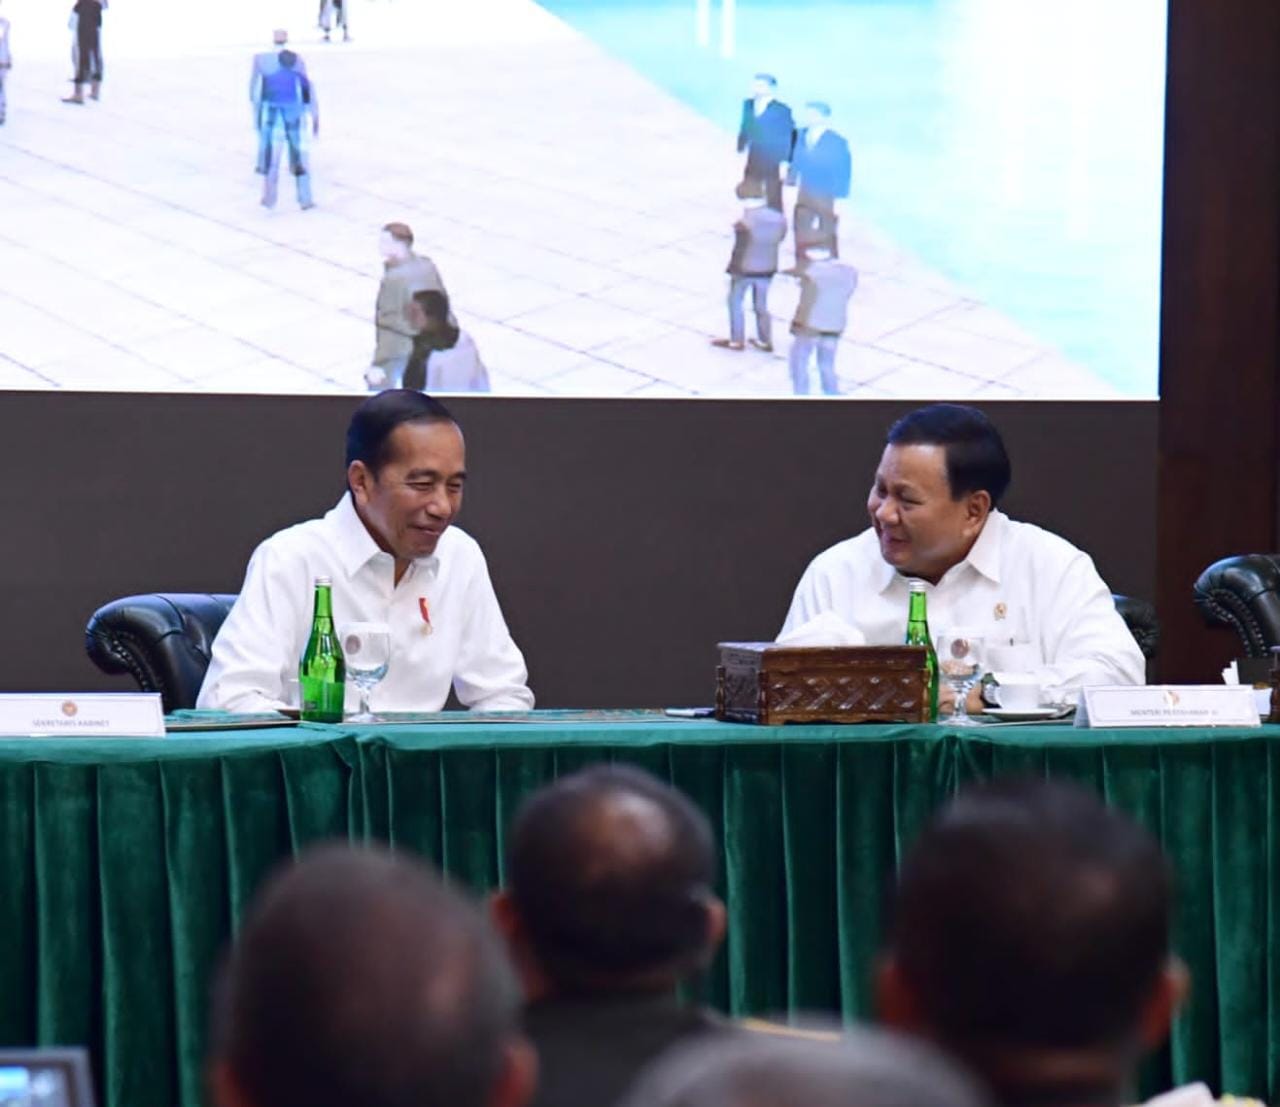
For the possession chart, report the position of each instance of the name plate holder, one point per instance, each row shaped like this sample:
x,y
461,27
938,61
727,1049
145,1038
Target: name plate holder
x,y
1156,705
81,715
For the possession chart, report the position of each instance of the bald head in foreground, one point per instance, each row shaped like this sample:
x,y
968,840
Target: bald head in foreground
x,y
1030,938
359,978
609,907
861,1068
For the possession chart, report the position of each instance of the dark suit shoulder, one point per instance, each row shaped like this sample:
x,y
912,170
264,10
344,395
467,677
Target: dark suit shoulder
x,y
591,1049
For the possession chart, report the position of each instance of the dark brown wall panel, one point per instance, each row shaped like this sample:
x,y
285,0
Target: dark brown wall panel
x,y
625,538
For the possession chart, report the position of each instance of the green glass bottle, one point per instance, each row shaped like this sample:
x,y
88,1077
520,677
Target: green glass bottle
x,y
322,674
918,635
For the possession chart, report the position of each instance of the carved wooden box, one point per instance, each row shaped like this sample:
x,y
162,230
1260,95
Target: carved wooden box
x,y
759,682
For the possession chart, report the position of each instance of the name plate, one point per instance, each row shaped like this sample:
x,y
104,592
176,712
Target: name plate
x,y
83,715
1168,705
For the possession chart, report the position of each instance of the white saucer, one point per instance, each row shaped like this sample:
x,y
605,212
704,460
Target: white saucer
x,y
1026,716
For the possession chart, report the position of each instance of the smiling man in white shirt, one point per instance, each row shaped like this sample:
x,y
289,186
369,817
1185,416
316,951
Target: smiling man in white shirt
x,y
394,557
933,508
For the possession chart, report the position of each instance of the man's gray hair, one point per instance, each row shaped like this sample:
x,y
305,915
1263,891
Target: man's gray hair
x,y
859,1068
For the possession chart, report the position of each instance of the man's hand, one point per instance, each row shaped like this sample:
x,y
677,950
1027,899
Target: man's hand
x,y
947,700
376,378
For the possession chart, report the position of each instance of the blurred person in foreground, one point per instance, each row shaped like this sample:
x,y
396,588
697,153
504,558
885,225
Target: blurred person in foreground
x,y
359,978
608,908
1029,937
860,1068
444,357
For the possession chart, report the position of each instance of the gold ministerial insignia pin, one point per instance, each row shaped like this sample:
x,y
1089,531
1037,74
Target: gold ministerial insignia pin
x,y
69,709
1002,609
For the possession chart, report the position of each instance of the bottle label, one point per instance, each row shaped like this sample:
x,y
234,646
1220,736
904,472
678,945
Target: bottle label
x,y
322,700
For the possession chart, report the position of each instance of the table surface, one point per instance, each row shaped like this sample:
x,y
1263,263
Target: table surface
x,y
462,730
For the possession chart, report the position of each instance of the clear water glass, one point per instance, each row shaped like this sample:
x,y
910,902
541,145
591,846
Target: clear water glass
x,y
366,648
961,654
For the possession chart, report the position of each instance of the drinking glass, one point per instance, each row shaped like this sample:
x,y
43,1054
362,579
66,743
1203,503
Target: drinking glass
x,y
366,648
960,657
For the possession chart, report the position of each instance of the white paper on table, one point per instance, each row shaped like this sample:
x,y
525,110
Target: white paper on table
x,y
826,629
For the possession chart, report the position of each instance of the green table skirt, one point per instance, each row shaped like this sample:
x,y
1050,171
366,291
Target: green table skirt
x,y
125,864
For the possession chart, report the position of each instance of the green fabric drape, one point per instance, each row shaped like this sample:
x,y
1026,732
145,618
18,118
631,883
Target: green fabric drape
x,y
126,864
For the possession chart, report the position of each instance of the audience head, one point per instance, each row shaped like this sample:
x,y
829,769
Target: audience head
x,y
358,977
1030,936
395,242
279,36
861,1068
764,84
817,113
609,886
943,470
406,467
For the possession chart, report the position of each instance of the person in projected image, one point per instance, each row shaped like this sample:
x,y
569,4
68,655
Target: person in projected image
x,y
266,65
934,509
405,274
394,556
288,98
767,134
6,62
444,358
822,314
822,168
754,261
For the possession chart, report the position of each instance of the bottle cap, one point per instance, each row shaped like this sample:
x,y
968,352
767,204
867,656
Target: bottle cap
x,y
915,585
324,580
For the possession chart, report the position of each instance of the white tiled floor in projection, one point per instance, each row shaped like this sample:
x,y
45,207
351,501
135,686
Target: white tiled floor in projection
x,y
579,216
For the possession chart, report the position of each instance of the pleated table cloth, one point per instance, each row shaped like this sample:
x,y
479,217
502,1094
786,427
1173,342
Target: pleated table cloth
x,y
125,864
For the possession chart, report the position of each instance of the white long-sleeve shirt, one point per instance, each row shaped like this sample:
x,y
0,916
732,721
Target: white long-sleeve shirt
x,y
1020,583
462,641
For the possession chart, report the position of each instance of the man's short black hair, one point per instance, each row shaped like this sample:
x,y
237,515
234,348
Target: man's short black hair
x,y
611,871
768,79
821,107
1029,913
358,977
861,1066
370,429
976,457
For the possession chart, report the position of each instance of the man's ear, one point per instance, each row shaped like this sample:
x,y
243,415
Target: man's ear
x,y
224,1089
977,507
896,1004
518,1077
504,916
1172,987
717,924
359,479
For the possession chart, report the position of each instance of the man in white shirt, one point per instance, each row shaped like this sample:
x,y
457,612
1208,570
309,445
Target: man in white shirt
x,y
933,517
394,557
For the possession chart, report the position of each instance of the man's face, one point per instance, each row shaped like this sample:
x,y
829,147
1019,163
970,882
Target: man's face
x,y
814,119
390,247
409,504
923,532
761,90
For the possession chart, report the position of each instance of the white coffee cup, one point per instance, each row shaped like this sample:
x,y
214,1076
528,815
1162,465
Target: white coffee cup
x,y
1018,693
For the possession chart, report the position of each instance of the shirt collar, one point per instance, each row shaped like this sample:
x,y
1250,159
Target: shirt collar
x,y
983,556
355,545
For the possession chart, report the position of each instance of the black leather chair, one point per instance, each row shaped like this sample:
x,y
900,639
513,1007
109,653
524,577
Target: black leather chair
x,y
1140,617
163,640
1243,593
